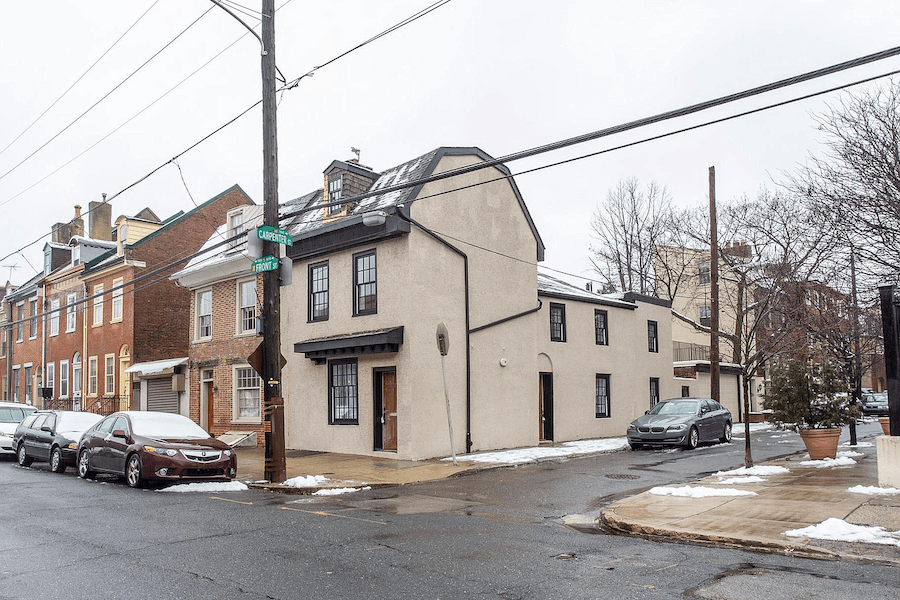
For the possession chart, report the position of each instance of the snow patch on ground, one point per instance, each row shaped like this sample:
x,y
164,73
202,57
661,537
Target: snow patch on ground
x,y
231,486
872,490
840,530
339,491
840,461
305,481
525,455
699,492
759,470
740,480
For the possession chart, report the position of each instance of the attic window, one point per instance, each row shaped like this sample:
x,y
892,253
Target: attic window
x,y
47,261
235,227
335,192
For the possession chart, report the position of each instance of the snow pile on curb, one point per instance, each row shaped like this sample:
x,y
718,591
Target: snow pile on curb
x,y
841,531
305,481
698,492
872,490
231,486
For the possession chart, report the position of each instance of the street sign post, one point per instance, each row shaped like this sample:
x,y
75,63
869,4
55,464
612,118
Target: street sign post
x,y
266,263
269,233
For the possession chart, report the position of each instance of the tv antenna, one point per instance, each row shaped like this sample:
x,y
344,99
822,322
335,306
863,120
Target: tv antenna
x,y
10,267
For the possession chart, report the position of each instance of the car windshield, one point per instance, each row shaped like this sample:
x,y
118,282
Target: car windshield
x,y
76,421
877,397
675,407
164,425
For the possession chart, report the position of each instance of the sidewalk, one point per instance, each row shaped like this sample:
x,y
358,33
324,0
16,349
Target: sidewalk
x,y
804,496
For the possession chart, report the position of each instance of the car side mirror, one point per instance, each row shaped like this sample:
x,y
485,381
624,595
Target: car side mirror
x,y
119,433
646,412
47,429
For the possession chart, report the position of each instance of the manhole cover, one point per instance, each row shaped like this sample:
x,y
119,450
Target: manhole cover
x,y
622,476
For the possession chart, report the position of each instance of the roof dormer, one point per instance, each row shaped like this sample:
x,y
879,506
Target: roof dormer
x,y
343,180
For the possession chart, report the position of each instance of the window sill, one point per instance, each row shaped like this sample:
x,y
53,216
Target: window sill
x,y
116,321
93,325
250,333
246,421
201,340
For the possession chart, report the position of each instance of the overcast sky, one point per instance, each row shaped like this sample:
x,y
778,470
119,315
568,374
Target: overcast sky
x,y
502,75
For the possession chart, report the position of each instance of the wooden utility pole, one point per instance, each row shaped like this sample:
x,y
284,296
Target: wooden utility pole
x,y
714,291
275,467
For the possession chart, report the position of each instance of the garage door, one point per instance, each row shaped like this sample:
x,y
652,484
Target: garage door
x,y
160,396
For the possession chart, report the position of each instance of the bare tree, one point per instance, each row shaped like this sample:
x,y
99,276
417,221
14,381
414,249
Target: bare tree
x,y
627,227
856,182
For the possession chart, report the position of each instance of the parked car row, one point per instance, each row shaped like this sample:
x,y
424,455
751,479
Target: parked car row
x,y
141,446
875,404
683,422
11,414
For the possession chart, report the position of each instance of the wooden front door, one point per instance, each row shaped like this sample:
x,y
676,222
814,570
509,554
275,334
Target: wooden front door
x,y
389,410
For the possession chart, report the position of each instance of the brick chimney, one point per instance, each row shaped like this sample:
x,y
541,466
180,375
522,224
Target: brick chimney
x,y
100,219
63,232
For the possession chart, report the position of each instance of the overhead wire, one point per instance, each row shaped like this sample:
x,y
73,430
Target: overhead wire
x,y
80,77
104,97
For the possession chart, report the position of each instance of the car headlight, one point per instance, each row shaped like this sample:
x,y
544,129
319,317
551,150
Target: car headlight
x,y
227,452
161,451
678,427
72,446
632,427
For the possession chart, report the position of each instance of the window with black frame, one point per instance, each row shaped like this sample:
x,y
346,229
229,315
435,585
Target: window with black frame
x,y
601,403
318,292
601,328
343,392
654,391
652,336
557,322
365,295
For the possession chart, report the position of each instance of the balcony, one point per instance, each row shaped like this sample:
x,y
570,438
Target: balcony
x,y
685,351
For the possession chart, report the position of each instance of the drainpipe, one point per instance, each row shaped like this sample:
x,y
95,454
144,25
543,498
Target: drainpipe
x,y
43,297
9,352
401,211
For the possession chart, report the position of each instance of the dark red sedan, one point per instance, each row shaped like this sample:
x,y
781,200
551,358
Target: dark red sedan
x,y
152,446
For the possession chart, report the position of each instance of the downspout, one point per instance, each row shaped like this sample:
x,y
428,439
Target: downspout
x,y
85,364
43,297
401,211
9,352
505,319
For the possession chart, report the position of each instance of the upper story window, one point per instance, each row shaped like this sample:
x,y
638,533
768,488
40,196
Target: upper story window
x,y
247,306
32,324
235,227
117,299
365,288
4,335
557,322
20,317
703,273
204,314
652,336
48,262
54,316
335,192
70,313
601,328
705,316
98,305
76,256
318,292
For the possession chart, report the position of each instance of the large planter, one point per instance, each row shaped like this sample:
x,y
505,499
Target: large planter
x,y
821,443
885,425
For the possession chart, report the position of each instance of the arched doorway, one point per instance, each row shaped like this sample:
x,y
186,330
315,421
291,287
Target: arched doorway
x,y
124,380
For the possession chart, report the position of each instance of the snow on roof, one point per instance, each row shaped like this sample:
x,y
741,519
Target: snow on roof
x,y
80,240
156,366
404,173
556,287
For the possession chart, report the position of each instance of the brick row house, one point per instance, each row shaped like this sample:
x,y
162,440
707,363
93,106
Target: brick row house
x,y
91,330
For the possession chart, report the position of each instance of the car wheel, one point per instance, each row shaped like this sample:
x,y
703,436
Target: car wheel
x,y
726,435
635,446
22,456
693,439
57,464
133,471
84,465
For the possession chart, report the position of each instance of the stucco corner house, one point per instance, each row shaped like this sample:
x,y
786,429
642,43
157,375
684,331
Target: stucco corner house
x,y
530,358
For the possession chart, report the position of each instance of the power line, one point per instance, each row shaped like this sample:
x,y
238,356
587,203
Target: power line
x,y
46,110
105,96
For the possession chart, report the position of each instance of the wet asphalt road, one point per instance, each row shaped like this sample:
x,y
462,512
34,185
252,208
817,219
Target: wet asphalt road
x,y
495,534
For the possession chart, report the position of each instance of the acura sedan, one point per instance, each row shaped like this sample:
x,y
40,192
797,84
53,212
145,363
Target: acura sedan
x,y
52,436
145,446
875,404
681,421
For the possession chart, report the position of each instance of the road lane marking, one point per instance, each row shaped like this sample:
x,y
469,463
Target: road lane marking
x,y
230,500
323,513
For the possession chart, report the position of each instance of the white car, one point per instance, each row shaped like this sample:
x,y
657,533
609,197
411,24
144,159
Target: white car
x,y
11,414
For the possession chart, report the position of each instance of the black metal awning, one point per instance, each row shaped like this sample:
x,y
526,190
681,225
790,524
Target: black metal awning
x,y
371,342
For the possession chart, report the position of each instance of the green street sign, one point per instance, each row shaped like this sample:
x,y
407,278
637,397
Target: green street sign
x,y
273,234
266,263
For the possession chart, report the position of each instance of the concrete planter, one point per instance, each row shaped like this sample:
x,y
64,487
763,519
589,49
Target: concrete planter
x,y
821,443
885,425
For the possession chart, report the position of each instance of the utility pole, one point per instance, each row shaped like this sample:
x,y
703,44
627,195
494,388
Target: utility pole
x,y
275,467
714,291
857,359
